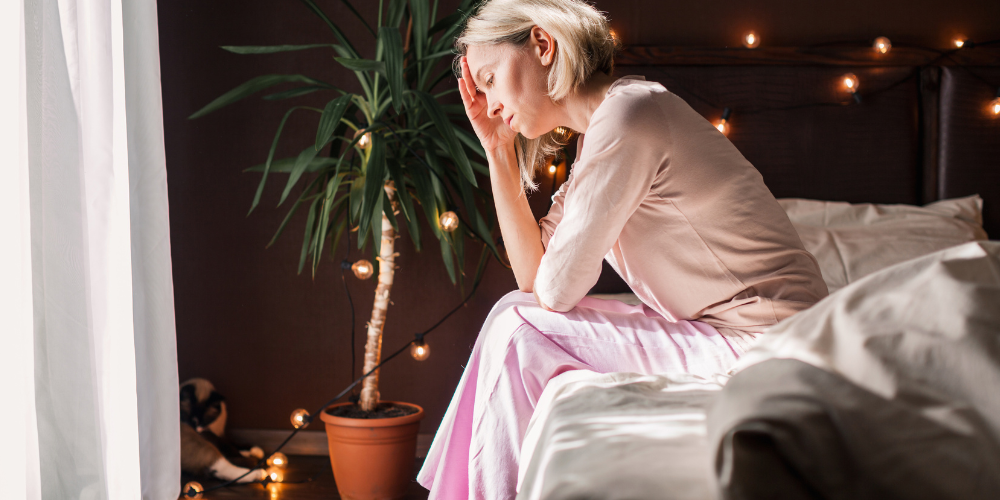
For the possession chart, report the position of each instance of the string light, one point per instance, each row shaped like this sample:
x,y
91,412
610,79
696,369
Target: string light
x,y
277,460
723,123
300,419
850,83
959,41
995,104
363,269
365,139
552,168
614,35
882,45
276,475
449,221
420,350
193,489
751,39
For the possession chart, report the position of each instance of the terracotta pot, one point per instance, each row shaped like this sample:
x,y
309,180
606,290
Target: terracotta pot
x,y
372,458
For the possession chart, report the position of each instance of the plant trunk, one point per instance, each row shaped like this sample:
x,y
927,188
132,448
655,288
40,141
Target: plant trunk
x,y
373,345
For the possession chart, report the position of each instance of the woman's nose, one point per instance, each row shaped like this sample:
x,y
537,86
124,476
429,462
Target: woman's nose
x,y
495,110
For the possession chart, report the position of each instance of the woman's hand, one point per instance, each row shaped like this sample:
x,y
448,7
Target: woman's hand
x,y
493,133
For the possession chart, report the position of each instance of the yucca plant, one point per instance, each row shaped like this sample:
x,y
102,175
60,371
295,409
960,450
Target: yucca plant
x,y
403,152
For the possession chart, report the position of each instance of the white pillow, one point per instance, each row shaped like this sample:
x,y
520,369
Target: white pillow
x,y
851,241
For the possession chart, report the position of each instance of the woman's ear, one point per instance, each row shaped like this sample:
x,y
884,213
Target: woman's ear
x,y
544,45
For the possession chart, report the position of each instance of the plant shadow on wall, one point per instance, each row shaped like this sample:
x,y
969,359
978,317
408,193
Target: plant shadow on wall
x,y
378,158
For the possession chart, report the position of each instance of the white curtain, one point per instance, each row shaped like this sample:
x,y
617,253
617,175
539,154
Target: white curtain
x,y
86,296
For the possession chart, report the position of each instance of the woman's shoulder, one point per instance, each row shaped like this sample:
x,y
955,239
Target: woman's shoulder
x,y
632,100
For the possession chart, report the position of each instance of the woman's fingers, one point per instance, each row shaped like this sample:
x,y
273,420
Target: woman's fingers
x,y
467,76
466,98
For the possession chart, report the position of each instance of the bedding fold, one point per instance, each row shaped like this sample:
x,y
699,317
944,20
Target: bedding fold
x,y
886,389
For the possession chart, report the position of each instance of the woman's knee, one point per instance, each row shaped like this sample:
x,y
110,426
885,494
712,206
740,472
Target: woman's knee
x,y
503,320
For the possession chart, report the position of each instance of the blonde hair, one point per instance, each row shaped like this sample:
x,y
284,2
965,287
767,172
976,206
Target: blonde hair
x,y
583,45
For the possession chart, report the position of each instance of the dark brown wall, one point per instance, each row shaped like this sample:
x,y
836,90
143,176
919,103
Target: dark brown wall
x,y
272,340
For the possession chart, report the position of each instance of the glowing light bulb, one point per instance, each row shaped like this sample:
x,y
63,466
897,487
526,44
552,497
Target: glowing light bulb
x,y
363,270
850,82
959,42
751,39
723,127
995,106
276,475
614,35
723,123
300,418
365,139
277,460
193,489
449,221
882,45
552,169
420,350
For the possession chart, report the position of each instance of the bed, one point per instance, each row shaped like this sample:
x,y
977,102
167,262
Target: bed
x,y
887,388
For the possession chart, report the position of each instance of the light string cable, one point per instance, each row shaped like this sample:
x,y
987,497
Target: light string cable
x,y
940,55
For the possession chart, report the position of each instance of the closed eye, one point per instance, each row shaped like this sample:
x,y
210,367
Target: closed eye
x,y
489,83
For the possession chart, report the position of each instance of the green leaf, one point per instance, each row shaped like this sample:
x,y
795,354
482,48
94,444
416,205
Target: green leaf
x,y
376,223
305,157
479,227
446,129
395,14
447,22
332,114
389,213
374,178
392,46
425,192
284,165
333,27
270,49
297,91
251,87
270,157
361,64
403,195
358,15
308,234
288,216
438,55
329,204
471,141
446,255
357,196
340,231
420,12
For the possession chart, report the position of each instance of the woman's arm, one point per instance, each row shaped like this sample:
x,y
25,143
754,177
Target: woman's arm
x,y
521,235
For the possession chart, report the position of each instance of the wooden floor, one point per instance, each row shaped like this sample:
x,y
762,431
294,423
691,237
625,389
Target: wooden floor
x,y
300,468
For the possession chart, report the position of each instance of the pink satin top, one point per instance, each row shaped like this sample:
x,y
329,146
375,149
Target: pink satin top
x,y
679,213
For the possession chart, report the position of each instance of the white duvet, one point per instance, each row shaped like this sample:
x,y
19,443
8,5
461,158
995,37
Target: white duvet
x,y
921,337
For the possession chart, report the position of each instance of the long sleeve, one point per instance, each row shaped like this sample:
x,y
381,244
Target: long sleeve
x,y
610,180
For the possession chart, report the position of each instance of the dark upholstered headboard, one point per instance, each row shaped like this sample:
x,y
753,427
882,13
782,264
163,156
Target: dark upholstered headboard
x,y
921,133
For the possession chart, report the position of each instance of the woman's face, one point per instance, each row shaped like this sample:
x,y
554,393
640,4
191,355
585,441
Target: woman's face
x,y
514,80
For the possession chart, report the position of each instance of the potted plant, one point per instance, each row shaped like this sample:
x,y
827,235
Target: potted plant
x,y
403,155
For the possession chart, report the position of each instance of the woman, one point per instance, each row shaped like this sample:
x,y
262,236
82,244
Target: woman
x,y
655,189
